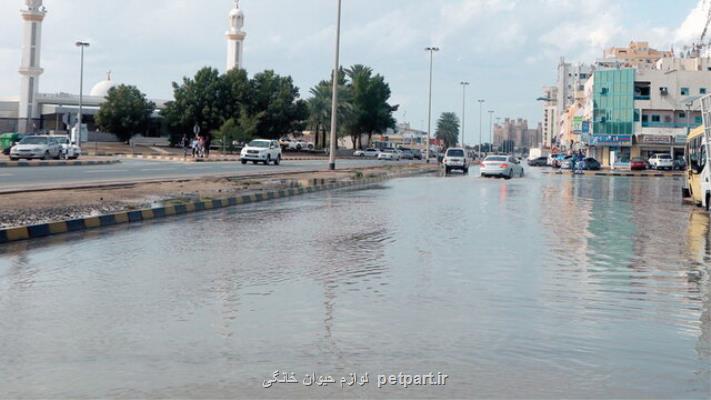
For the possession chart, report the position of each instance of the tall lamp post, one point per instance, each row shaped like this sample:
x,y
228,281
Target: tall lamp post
x,y
432,50
334,100
464,108
491,129
81,45
481,104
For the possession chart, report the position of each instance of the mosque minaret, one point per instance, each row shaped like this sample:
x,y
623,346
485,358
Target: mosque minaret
x,y
235,38
30,69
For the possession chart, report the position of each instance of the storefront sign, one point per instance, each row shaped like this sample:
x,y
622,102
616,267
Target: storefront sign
x,y
655,139
577,124
680,139
611,140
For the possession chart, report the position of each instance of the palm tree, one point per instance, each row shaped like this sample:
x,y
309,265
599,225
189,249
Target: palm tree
x,y
320,108
448,129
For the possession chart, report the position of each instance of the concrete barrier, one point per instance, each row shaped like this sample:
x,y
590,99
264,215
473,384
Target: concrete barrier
x,y
127,217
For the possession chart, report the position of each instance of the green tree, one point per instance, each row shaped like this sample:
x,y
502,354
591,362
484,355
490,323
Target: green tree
x,y
319,107
448,129
371,112
277,97
205,100
241,129
126,112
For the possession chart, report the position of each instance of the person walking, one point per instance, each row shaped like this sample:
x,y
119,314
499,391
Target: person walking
x,y
194,146
185,144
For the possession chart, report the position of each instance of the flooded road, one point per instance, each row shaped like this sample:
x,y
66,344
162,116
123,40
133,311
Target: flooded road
x,y
544,287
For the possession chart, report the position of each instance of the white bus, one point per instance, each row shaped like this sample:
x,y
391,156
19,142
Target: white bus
x,y
698,184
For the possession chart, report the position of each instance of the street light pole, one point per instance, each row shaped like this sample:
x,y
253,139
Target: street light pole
x,y
334,100
491,129
81,46
464,102
429,109
481,104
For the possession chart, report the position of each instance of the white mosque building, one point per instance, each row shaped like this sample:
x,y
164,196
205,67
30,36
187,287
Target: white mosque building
x,y
33,111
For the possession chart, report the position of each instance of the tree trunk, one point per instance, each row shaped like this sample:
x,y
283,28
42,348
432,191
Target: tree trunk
x,y
317,139
370,138
360,140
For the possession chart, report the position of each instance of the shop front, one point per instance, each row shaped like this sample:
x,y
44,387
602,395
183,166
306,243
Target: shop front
x,y
611,150
649,145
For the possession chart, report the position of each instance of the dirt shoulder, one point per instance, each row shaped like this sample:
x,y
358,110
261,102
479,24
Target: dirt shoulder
x,y
30,208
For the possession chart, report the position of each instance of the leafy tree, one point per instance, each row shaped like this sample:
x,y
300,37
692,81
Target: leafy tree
x,y
371,111
448,129
277,97
204,100
320,109
241,129
126,112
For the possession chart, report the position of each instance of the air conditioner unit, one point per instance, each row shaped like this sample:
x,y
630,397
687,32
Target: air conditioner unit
x,y
604,91
663,91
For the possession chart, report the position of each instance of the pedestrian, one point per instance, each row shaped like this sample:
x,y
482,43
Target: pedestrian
x,y
194,146
185,144
208,140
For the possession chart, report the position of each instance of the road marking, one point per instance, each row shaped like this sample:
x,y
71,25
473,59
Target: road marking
x,y
6,174
157,169
98,171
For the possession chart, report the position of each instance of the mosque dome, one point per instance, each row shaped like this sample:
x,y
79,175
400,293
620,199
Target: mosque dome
x,y
101,89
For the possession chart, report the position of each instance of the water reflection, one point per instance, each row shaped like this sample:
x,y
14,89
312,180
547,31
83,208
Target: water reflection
x,y
548,286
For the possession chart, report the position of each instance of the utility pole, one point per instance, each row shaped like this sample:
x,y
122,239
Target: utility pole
x,y
81,46
334,100
481,104
464,102
432,50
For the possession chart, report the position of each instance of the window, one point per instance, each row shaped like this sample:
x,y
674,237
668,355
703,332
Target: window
x,y
636,115
655,118
702,91
645,118
684,91
682,115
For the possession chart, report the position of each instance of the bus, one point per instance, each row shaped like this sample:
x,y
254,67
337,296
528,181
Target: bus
x,y
698,177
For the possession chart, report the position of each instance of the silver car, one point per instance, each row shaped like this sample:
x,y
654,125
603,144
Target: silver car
x,y
501,166
35,146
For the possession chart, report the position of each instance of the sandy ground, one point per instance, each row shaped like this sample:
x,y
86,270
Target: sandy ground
x,y
47,206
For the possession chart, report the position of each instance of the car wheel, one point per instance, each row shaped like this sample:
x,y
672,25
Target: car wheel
x,y
268,160
244,162
298,147
14,159
277,161
510,175
46,155
254,162
447,170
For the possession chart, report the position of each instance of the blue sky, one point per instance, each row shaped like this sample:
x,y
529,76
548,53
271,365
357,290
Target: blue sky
x,y
507,49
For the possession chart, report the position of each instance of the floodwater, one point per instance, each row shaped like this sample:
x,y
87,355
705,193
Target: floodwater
x,y
541,287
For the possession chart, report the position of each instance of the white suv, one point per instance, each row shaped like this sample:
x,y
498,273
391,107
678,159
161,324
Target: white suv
x,y
69,149
456,158
661,161
260,150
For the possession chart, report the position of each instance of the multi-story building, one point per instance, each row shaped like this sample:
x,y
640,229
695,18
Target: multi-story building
x,y
640,112
637,55
550,118
515,132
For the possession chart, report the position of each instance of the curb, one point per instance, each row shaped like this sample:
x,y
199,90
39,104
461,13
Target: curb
x,y
619,174
126,217
17,164
191,160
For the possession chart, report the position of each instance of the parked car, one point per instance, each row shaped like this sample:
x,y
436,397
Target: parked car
x,y
588,164
567,162
417,154
558,159
406,154
7,140
551,158
661,161
35,146
501,166
260,150
456,158
638,164
70,150
300,144
538,162
370,153
389,154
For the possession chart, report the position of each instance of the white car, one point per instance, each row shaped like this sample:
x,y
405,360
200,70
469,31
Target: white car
x,y
370,153
456,158
661,161
35,146
70,150
261,150
389,154
501,166
299,145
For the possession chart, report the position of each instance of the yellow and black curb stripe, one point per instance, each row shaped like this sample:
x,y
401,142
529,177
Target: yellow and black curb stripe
x,y
622,174
127,217
60,163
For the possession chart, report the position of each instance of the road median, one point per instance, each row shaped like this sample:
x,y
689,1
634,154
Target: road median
x,y
132,205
